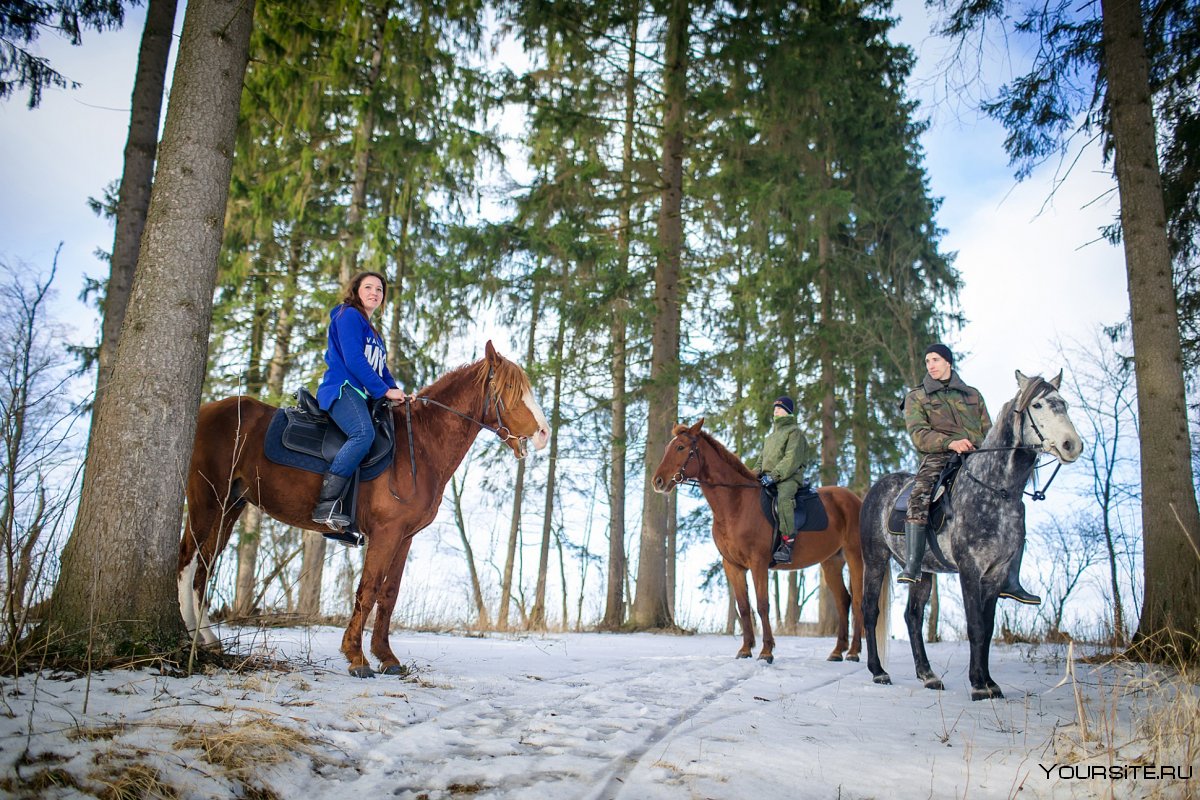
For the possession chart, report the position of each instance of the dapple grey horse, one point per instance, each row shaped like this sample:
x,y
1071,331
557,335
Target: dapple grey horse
x,y
984,529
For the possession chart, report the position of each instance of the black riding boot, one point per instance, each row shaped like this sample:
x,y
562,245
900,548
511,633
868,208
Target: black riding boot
x,y
914,536
328,510
1012,586
783,553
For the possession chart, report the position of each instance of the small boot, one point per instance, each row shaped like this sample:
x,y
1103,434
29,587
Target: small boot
x,y
783,553
1012,586
327,510
914,535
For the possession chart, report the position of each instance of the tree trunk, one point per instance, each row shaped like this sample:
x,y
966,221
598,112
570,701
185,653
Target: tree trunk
x,y
364,137
460,522
537,618
1170,519
651,605
514,530
791,616
247,561
614,601
312,570
137,177
116,591
827,616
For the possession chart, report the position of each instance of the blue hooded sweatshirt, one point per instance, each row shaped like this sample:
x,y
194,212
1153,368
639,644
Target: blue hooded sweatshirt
x,y
355,357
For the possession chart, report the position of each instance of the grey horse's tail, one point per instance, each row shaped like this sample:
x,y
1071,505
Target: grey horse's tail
x,y
883,622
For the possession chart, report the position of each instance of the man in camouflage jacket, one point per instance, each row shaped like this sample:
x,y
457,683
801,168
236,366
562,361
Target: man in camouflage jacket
x,y
944,416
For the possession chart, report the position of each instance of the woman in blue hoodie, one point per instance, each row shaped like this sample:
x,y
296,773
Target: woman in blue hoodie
x,y
357,370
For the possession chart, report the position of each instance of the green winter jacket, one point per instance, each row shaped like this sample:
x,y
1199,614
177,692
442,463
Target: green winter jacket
x,y
937,415
783,450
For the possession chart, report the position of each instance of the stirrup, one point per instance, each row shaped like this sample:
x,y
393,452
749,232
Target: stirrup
x,y
346,537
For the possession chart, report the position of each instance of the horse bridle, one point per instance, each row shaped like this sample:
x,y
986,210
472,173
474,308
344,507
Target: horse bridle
x,y
680,478
1040,389
491,395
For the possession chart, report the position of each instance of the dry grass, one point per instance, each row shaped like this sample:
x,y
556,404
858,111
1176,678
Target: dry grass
x,y
134,782
243,747
1162,729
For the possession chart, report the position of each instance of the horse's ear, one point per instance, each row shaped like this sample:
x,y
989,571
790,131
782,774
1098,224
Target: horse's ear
x,y
489,351
1022,380
1056,381
696,428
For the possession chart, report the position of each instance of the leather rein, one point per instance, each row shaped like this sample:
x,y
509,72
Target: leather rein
x,y
491,396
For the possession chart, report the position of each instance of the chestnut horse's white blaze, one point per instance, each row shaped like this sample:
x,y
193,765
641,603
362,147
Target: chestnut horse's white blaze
x,y
542,437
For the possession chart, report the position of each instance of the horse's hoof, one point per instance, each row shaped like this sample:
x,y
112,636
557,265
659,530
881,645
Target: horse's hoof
x,y
883,679
934,683
834,657
395,669
364,671
852,658
987,693
767,658
742,655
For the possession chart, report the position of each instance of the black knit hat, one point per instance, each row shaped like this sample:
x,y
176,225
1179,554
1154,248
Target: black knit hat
x,y
941,350
786,404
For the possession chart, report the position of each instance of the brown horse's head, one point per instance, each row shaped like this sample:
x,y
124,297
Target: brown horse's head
x,y
509,405
681,459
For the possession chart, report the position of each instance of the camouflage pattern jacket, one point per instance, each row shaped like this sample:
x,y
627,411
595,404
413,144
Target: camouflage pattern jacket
x,y
937,415
783,451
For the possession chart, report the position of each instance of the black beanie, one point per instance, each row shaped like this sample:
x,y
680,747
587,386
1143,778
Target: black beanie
x,y
786,404
941,350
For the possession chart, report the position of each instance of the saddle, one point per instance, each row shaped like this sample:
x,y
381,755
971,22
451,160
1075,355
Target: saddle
x,y
939,499
810,511
307,438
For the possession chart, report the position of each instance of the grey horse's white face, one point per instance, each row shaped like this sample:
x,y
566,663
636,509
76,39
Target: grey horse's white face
x,y
1049,427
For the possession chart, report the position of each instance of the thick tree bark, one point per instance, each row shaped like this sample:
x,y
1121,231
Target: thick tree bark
x,y
1170,519
827,615
652,602
133,196
312,570
614,600
116,589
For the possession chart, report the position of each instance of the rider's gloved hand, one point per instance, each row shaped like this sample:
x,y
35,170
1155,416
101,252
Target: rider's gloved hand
x,y
766,480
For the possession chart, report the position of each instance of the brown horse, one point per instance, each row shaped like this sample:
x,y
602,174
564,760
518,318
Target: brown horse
x,y
744,537
228,470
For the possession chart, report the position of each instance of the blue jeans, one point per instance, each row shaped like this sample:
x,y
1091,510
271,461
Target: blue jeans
x,y
350,413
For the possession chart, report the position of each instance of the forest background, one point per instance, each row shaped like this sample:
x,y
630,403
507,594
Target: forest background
x,y
493,196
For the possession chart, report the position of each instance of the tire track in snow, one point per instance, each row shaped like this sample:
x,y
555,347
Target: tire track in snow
x,y
614,785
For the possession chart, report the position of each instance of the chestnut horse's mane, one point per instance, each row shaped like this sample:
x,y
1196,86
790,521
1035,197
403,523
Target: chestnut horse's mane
x,y
510,380
728,457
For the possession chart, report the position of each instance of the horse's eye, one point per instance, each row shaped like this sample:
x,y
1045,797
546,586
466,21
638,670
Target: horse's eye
x,y
678,447
1037,405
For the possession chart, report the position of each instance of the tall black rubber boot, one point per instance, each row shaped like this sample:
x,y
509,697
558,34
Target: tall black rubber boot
x,y
328,509
1012,588
914,536
783,553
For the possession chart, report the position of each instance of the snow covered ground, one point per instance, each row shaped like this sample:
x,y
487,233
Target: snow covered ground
x,y
583,716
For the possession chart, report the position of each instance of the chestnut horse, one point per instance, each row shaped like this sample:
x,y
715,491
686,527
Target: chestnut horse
x,y
229,470
744,537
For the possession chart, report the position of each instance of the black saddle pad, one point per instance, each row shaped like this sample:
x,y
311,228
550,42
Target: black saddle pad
x,y
810,511
937,505
307,438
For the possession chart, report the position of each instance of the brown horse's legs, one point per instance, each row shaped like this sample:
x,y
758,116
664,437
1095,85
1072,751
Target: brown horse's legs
x,y
855,563
380,549
763,601
210,524
381,647
831,568
736,577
